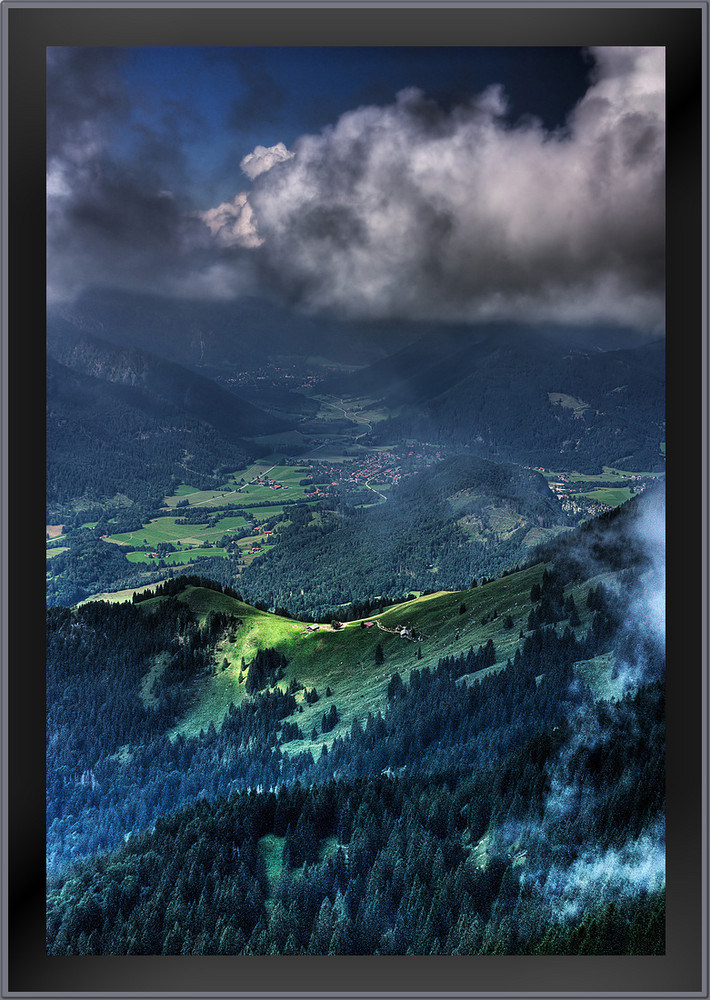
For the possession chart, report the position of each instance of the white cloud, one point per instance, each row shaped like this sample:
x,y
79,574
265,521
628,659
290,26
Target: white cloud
x,y
232,223
650,531
412,212
601,877
264,158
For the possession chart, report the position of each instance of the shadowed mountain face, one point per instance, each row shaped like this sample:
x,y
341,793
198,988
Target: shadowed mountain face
x,y
106,437
161,381
561,397
439,359
216,337
516,394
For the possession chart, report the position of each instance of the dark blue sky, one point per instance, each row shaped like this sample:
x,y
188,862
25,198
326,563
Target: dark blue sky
x,y
222,102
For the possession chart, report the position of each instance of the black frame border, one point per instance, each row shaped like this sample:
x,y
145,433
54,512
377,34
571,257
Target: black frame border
x,y
27,29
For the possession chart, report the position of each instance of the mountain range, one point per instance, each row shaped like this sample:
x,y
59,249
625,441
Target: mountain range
x,y
515,392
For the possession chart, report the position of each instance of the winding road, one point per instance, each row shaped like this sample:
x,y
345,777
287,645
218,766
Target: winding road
x,y
349,415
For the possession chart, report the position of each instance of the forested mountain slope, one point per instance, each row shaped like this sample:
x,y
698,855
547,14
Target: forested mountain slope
x,y
106,438
464,517
471,776
215,337
514,394
164,381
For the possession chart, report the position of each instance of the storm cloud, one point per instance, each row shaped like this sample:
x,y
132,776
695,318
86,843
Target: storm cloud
x,y
404,211
408,211
120,220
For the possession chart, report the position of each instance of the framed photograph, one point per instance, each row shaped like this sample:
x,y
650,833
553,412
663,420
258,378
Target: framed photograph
x,y
371,446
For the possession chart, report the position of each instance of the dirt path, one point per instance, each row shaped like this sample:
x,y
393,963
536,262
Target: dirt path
x,y
222,496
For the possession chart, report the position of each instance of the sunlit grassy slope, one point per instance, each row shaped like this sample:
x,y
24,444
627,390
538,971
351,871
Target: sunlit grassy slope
x,y
344,660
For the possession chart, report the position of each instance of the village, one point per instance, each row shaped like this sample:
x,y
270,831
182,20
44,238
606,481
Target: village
x,y
382,469
403,631
588,497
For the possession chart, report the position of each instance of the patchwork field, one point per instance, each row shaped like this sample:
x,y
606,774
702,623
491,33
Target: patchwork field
x,y
609,474
166,529
242,486
263,490
198,498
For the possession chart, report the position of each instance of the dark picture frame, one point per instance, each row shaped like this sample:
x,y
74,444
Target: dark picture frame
x,y
28,28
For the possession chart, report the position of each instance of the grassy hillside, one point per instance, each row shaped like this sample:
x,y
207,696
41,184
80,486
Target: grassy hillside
x,y
344,659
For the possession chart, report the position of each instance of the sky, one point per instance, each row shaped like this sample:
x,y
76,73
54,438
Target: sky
x,y
444,184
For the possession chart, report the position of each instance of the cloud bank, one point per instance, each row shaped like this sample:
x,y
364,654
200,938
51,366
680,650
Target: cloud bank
x,y
406,211
602,877
412,212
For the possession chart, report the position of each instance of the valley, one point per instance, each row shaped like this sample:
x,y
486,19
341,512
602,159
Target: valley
x,y
320,605
333,461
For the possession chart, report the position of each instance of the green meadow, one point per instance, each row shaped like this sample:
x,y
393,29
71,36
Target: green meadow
x,y
165,529
612,497
344,659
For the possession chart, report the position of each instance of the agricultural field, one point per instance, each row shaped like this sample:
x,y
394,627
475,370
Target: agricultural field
x,y
245,546
117,596
585,495
263,482
366,409
611,497
245,483
361,410
609,474
166,529
198,498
